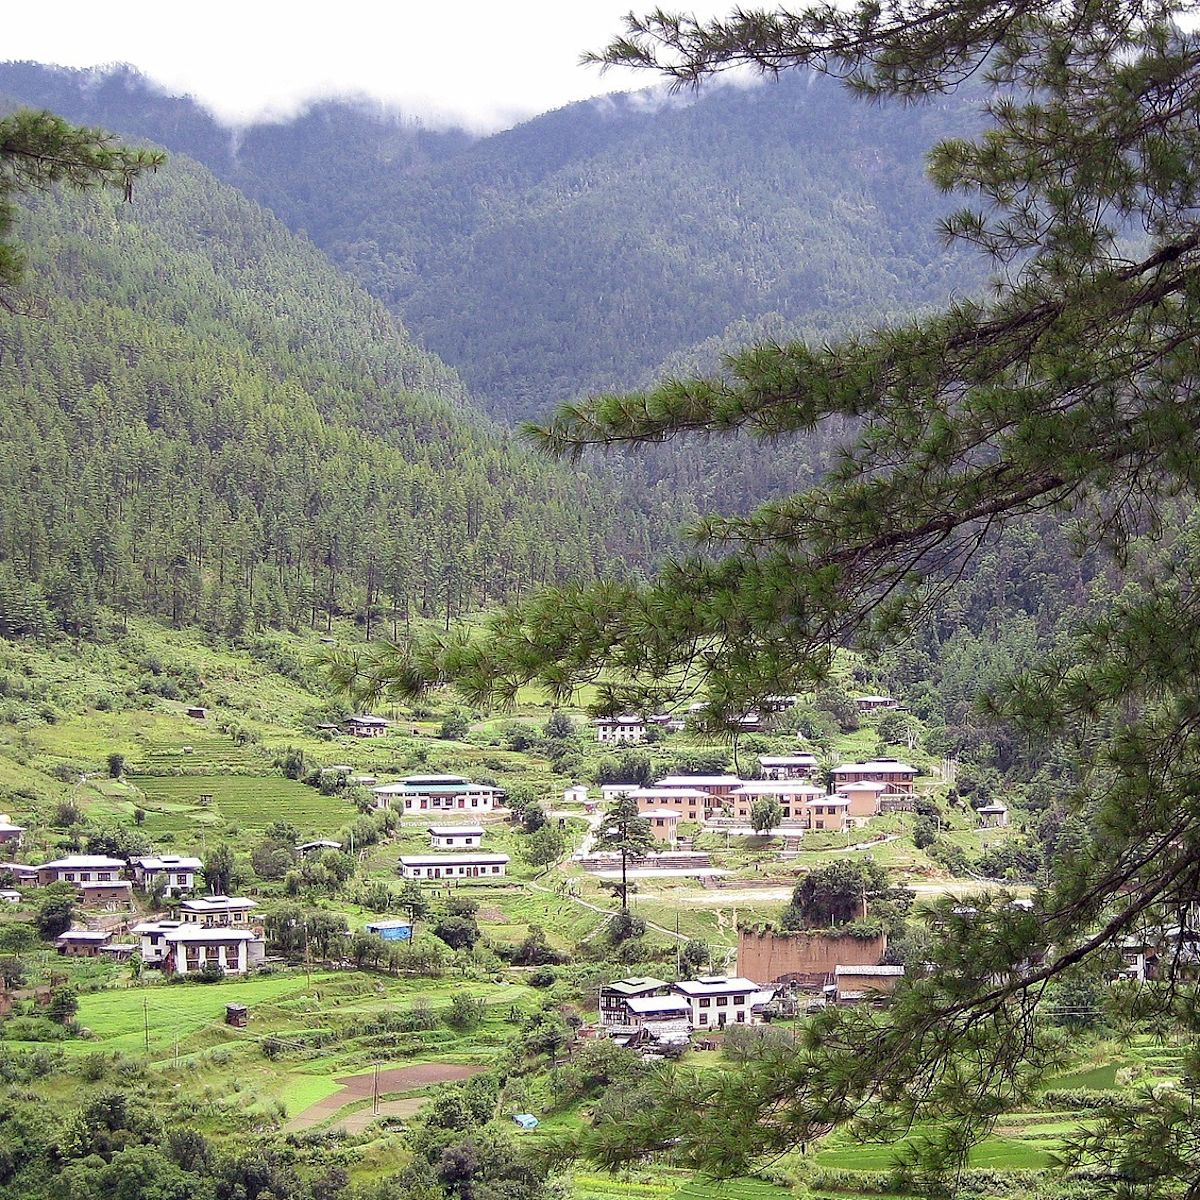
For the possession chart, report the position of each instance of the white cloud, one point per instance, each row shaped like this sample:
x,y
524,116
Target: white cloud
x,y
484,64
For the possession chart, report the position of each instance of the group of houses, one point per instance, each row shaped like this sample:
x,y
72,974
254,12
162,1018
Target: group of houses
x,y
630,729
856,793
104,882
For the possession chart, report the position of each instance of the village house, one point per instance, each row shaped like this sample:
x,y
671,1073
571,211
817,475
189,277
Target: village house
x,y
82,943
827,813
715,1001
81,868
575,794
625,730
688,804
304,848
10,834
111,894
664,1018
366,726
899,776
451,837
865,798
859,984
669,722
438,793
453,866
869,704
214,911
189,948
23,875
152,939
179,873
614,995
787,766
794,795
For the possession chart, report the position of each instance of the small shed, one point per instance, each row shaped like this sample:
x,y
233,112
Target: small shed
x,y
237,1015
196,712
526,1120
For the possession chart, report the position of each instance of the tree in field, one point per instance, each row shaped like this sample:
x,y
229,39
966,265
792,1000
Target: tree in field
x,y
1070,389
37,150
765,814
218,870
412,901
625,831
836,894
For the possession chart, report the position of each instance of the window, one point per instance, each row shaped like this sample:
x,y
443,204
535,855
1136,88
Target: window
x,y
703,1017
704,1001
69,876
722,1001
741,1018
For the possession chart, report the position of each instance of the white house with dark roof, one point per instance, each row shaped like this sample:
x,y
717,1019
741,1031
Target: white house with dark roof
x,y
425,867
366,725
10,834
81,868
620,731
715,1001
211,911
456,837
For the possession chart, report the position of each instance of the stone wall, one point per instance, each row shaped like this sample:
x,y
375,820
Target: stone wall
x,y
768,957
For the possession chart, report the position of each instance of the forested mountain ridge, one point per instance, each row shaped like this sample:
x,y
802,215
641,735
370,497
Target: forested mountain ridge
x,y
580,250
205,420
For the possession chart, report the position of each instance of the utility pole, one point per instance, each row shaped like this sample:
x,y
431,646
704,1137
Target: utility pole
x,y
375,1095
145,1024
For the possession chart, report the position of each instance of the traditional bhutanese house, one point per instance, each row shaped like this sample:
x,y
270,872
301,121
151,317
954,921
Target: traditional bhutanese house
x,y
453,866
82,943
438,793
669,722
366,726
626,730
212,911
81,868
10,834
455,837
994,815
717,786
190,948
614,995
787,766
391,930
794,796
110,893
854,985
152,936
317,844
664,824
865,797
689,804
869,704
827,813
715,1001
899,776
178,872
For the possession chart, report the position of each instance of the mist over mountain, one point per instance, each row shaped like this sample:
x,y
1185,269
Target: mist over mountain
x,y
586,248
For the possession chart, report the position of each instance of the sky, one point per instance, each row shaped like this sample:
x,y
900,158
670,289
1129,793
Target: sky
x,y
482,63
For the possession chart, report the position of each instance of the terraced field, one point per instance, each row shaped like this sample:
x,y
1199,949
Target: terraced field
x,y
173,804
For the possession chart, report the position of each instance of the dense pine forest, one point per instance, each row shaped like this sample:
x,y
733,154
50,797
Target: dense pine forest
x,y
203,420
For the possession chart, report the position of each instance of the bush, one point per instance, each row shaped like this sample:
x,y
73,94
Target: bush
x,y
211,972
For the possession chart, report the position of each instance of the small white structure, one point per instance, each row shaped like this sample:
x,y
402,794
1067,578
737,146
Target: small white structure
x,y
189,949
715,1001
610,791
152,936
994,815
10,896
214,911
875,703
626,730
179,872
575,794
318,844
456,837
453,866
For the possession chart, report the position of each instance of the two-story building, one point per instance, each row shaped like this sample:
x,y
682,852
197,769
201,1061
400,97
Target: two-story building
x,y
83,943
899,777
215,911
615,995
688,804
870,704
426,867
624,731
718,787
190,948
177,871
10,835
366,726
438,793
456,837
715,1001
81,868
829,813
794,796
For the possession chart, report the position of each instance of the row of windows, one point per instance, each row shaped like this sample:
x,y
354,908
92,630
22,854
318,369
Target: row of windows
x,y
722,1001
